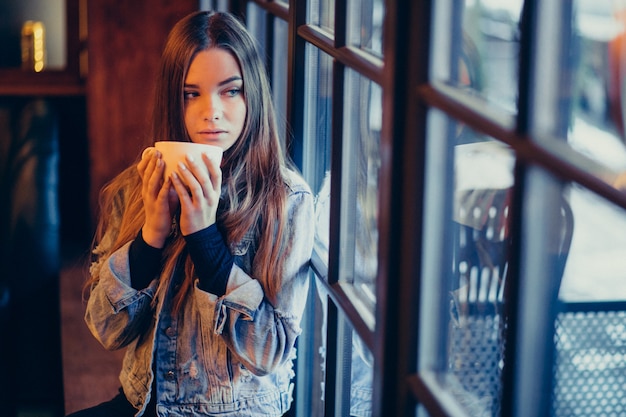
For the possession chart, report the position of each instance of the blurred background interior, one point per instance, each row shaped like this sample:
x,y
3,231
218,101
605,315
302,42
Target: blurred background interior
x,y
56,103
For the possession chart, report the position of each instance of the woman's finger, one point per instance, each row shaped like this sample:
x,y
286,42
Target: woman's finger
x,y
201,177
155,178
215,174
180,186
146,157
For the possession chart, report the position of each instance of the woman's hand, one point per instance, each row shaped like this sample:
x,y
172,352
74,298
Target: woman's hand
x,y
198,188
158,204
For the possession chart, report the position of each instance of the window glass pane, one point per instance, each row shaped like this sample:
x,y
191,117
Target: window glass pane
x,y
467,210
361,375
576,246
317,123
322,13
310,372
219,5
598,54
317,141
481,51
590,338
359,205
316,170
279,69
256,24
256,20
595,266
479,242
365,28
353,374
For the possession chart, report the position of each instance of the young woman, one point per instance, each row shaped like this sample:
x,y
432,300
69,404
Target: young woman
x,y
203,276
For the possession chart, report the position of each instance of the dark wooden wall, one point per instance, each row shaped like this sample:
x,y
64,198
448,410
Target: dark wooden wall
x,y
124,45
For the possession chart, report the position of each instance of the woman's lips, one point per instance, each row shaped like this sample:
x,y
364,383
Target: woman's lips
x,y
212,133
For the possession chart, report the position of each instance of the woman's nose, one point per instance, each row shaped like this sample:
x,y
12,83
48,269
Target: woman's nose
x,y
213,108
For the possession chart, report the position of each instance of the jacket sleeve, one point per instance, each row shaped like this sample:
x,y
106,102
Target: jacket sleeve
x,y
117,313
260,333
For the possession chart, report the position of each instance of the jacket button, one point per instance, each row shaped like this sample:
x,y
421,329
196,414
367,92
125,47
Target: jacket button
x,y
169,375
170,332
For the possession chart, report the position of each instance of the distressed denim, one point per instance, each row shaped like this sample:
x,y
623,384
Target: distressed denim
x,y
220,356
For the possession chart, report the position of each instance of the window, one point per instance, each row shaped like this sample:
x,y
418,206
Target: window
x,y
334,116
468,158
531,132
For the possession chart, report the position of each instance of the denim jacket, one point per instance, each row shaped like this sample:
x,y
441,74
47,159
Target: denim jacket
x,y
221,356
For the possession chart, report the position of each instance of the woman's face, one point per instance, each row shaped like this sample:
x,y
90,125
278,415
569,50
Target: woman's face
x,y
215,106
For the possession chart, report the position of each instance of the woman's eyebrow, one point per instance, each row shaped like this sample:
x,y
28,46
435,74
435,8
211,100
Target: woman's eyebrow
x,y
231,79
221,83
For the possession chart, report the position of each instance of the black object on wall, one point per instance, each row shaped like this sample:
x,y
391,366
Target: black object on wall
x,y
30,347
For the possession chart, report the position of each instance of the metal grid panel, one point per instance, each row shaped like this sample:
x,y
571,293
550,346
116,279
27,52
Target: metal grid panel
x,y
590,364
476,361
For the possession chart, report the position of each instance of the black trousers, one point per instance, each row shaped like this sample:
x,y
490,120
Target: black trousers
x,y
117,407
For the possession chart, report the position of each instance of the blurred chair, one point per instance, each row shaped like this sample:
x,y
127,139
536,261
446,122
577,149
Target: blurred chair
x,y
480,270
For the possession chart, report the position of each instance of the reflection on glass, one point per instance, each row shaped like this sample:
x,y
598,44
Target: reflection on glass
x,y
356,376
279,69
490,47
355,367
317,135
481,234
359,205
322,13
480,242
354,370
365,25
217,5
317,119
596,262
358,229
598,55
590,332
256,21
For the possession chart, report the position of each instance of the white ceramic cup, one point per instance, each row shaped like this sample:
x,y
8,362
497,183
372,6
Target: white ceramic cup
x,y
174,152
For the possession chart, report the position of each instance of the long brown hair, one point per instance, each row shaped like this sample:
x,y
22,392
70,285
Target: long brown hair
x,y
252,169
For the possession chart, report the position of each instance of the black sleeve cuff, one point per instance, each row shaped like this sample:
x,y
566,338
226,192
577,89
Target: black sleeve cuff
x,y
145,262
212,259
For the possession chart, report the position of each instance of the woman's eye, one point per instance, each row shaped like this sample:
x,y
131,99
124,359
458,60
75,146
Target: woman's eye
x,y
190,94
232,92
